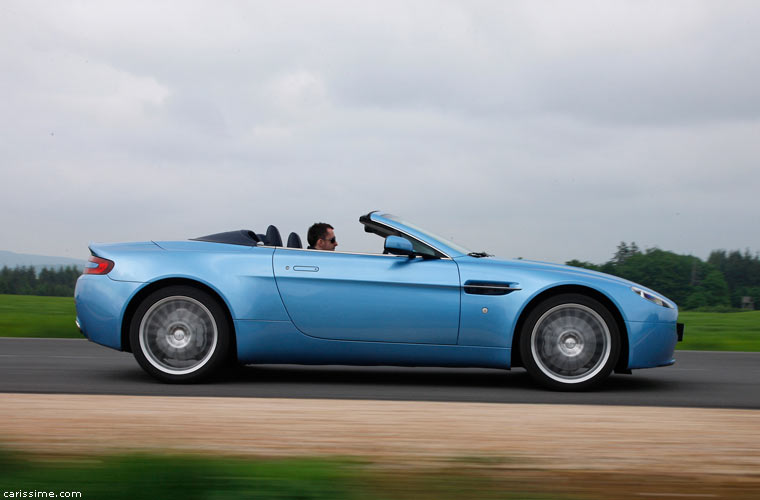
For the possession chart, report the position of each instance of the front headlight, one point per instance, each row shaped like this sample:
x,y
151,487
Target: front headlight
x,y
652,297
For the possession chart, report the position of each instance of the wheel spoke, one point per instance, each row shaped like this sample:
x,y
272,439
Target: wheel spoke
x,y
178,335
571,343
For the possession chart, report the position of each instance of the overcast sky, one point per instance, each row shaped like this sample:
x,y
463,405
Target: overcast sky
x,y
543,130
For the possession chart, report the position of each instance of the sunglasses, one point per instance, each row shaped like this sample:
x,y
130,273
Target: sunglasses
x,y
331,240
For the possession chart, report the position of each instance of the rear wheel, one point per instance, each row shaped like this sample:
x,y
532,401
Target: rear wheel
x,y
180,334
570,342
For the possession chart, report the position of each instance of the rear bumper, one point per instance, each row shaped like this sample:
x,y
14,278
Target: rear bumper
x,y
79,326
100,303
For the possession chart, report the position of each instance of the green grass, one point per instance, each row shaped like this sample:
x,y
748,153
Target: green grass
x,y
737,331
187,477
190,477
32,316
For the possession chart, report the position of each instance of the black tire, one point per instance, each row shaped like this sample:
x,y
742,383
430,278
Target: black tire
x,y
180,334
570,342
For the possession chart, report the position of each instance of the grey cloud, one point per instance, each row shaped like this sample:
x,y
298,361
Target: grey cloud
x,y
543,130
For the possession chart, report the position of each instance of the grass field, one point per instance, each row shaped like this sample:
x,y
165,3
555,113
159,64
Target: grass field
x,y
333,478
739,331
31,316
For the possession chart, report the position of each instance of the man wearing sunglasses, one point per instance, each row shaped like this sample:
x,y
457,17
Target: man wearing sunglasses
x,y
321,236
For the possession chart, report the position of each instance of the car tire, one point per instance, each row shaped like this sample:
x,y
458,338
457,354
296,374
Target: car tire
x,y
570,342
180,334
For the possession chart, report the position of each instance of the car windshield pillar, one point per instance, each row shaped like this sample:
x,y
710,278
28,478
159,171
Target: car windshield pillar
x,y
420,248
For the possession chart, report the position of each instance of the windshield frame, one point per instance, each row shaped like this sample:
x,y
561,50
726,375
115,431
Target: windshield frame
x,y
448,248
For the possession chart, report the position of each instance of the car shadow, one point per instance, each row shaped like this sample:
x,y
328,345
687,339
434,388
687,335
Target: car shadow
x,y
636,382
375,375
388,383
517,378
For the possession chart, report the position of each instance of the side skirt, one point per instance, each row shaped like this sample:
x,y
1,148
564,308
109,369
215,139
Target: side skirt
x,y
279,342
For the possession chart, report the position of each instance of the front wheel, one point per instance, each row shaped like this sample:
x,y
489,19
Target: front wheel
x,y
570,342
180,334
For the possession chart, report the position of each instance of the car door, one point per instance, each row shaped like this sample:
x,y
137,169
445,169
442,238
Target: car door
x,y
369,297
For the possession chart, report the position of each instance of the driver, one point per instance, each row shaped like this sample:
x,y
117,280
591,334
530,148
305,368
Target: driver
x,y
321,236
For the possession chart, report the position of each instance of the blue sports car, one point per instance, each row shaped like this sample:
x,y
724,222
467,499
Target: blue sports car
x,y
188,308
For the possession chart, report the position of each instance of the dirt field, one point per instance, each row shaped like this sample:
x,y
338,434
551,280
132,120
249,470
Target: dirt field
x,y
711,445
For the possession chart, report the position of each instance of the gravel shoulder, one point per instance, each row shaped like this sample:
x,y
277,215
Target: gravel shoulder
x,y
631,440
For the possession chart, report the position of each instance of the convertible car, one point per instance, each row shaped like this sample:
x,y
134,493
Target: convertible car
x,y
185,309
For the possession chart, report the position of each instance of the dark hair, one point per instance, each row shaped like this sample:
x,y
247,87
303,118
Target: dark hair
x,y
316,231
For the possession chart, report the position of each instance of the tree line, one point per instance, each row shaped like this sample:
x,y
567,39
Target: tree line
x,y
25,280
719,283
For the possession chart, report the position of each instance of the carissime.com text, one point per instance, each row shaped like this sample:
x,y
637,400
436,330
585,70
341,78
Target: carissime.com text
x,y
41,494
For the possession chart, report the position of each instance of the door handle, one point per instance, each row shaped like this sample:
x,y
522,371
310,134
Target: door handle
x,y
311,269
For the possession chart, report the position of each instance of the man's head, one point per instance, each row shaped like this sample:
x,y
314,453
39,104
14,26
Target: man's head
x,y
322,236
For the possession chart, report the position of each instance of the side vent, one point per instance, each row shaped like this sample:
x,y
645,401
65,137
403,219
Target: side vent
x,y
490,287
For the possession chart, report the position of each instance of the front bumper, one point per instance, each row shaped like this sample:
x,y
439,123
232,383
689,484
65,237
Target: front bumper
x,y
652,343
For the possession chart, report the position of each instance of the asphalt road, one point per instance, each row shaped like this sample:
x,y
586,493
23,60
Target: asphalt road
x,y
69,366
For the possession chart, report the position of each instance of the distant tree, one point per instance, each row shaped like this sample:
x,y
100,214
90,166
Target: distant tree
x,y
625,252
45,282
687,280
25,281
22,281
745,291
741,271
712,291
722,281
665,272
583,264
5,274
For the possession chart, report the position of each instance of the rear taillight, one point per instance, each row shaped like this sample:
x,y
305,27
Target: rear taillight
x,y
96,265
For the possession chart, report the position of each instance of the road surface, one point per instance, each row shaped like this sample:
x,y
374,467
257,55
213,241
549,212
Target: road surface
x,y
73,366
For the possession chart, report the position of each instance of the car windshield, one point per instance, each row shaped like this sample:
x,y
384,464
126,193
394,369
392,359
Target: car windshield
x,y
430,234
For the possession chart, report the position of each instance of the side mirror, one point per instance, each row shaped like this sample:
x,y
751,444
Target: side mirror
x,y
397,245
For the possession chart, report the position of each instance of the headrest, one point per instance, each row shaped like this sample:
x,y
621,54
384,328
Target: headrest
x,y
294,241
273,237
